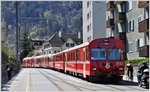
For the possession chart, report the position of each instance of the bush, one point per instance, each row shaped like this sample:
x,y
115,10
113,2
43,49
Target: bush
x,y
136,61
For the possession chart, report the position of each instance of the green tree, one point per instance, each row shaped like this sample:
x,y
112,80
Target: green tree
x,y
25,42
47,15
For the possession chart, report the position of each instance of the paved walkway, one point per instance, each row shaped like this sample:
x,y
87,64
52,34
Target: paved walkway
x,y
37,79
134,75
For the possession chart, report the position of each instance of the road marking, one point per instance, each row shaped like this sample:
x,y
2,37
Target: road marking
x,y
28,85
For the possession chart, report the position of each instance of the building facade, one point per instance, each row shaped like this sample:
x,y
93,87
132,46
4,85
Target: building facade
x,y
37,43
61,41
124,22
94,15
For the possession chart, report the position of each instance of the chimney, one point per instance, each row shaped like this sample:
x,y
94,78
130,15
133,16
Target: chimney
x,y
60,34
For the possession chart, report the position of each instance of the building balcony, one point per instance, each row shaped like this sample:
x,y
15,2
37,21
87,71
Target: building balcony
x,y
110,23
144,51
143,4
144,25
110,6
120,17
118,2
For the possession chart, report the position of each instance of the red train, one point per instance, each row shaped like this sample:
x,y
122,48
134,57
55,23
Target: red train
x,y
101,58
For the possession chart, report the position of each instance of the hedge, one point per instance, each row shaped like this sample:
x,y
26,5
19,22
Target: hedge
x,y
136,61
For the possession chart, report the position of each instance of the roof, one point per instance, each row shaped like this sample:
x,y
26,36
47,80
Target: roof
x,y
57,41
74,37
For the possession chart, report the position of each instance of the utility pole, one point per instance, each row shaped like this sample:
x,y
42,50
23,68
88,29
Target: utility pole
x,y
17,57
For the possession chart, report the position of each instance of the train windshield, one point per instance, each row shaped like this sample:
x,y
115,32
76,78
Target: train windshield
x,y
98,54
115,54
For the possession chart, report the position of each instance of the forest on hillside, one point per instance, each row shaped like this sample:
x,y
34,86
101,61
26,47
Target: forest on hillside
x,y
43,18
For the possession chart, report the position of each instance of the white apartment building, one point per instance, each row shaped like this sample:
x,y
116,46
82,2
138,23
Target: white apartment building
x,y
129,22
94,15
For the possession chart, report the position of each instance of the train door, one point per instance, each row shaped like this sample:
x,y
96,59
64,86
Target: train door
x,y
65,59
84,62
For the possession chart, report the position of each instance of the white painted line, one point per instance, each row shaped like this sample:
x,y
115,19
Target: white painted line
x,y
28,82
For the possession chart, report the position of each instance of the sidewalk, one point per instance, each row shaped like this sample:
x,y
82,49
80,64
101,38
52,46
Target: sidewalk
x,y
134,75
134,78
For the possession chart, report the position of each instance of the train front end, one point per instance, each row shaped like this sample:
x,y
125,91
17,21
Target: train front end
x,y
107,59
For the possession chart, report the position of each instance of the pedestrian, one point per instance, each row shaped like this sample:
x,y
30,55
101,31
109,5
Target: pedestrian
x,y
9,70
129,68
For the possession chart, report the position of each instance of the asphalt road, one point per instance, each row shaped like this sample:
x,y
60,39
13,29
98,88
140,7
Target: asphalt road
x,y
36,79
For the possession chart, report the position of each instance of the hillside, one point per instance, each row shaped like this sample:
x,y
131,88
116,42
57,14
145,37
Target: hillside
x,y
44,17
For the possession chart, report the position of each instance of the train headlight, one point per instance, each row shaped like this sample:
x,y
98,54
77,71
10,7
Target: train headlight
x,y
94,68
120,69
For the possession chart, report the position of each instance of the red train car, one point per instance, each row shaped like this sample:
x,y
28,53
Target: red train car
x,y
58,60
37,61
27,62
44,61
101,58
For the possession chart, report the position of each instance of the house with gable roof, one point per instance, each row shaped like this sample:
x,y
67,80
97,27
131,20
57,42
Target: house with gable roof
x,y
61,41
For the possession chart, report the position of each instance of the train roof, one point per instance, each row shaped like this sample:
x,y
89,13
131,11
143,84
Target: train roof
x,y
76,47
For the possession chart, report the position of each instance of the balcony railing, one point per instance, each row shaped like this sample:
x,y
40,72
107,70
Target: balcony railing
x,y
110,5
143,4
144,51
120,17
144,25
110,23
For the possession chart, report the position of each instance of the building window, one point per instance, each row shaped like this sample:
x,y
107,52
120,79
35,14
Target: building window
x,y
130,47
146,14
88,28
137,45
88,4
141,42
139,18
123,7
111,15
88,39
131,26
67,44
46,46
130,5
55,51
49,52
88,16
72,44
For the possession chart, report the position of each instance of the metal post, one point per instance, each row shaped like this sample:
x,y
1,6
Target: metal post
x,y
16,4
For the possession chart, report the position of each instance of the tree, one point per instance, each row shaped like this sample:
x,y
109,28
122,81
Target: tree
x,y
47,15
25,42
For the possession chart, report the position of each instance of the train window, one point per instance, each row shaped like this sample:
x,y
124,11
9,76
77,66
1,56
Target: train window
x,y
115,54
87,57
78,54
73,56
98,54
